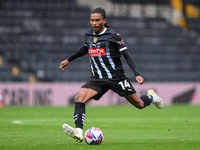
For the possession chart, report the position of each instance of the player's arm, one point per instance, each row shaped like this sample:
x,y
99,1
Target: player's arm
x,y
82,51
123,49
132,65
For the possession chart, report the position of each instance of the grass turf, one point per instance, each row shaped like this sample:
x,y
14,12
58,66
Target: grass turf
x,y
125,127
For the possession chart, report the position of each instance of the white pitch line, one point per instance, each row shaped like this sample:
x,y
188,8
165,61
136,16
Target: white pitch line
x,y
17,122
41,121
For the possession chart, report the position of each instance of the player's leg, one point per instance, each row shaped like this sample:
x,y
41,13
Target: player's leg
x,y
124,88
139,102
84,95
145,100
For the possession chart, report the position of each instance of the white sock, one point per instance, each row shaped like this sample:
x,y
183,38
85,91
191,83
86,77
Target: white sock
x,y
154,97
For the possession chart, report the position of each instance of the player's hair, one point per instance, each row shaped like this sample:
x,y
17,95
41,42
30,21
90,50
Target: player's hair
x,y
101,11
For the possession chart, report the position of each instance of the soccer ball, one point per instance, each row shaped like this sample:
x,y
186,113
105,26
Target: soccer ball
x,y
93,136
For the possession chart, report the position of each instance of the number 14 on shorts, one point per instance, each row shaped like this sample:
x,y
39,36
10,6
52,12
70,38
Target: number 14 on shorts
x,y
125,85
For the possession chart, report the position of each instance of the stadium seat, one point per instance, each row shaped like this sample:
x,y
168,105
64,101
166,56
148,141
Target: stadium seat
x,y
38,35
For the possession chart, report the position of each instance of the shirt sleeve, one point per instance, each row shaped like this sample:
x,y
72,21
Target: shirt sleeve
x,y
85,44
82,51
116,38
130,61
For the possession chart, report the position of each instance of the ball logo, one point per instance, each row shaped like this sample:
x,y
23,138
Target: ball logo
x,y
94,52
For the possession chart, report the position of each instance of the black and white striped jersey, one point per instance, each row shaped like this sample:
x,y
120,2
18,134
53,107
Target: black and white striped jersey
x,y
105,52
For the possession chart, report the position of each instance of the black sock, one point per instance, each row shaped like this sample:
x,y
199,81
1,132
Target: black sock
x,y
79,114
146,99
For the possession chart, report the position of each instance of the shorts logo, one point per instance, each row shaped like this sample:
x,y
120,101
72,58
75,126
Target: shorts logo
x,y
94,52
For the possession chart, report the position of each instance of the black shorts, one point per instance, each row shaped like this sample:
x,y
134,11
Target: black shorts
x,y
122,87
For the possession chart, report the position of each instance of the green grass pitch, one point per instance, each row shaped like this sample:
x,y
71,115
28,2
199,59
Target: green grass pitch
x,y
125,128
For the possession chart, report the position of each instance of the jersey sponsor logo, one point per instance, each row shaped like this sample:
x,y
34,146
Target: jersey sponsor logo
x,y
94,52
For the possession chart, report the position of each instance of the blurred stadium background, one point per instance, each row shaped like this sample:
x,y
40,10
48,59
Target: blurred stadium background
x,y
163,37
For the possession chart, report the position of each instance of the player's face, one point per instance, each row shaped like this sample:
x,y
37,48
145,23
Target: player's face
x,y
97,22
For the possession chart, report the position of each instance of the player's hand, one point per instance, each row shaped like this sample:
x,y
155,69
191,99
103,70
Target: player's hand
x,y
64,64
140,80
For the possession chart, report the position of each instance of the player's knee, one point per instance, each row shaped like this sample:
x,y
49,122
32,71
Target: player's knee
x,y
140,105
79,98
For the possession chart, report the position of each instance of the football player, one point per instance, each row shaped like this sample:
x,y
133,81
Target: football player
x,y
105,47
